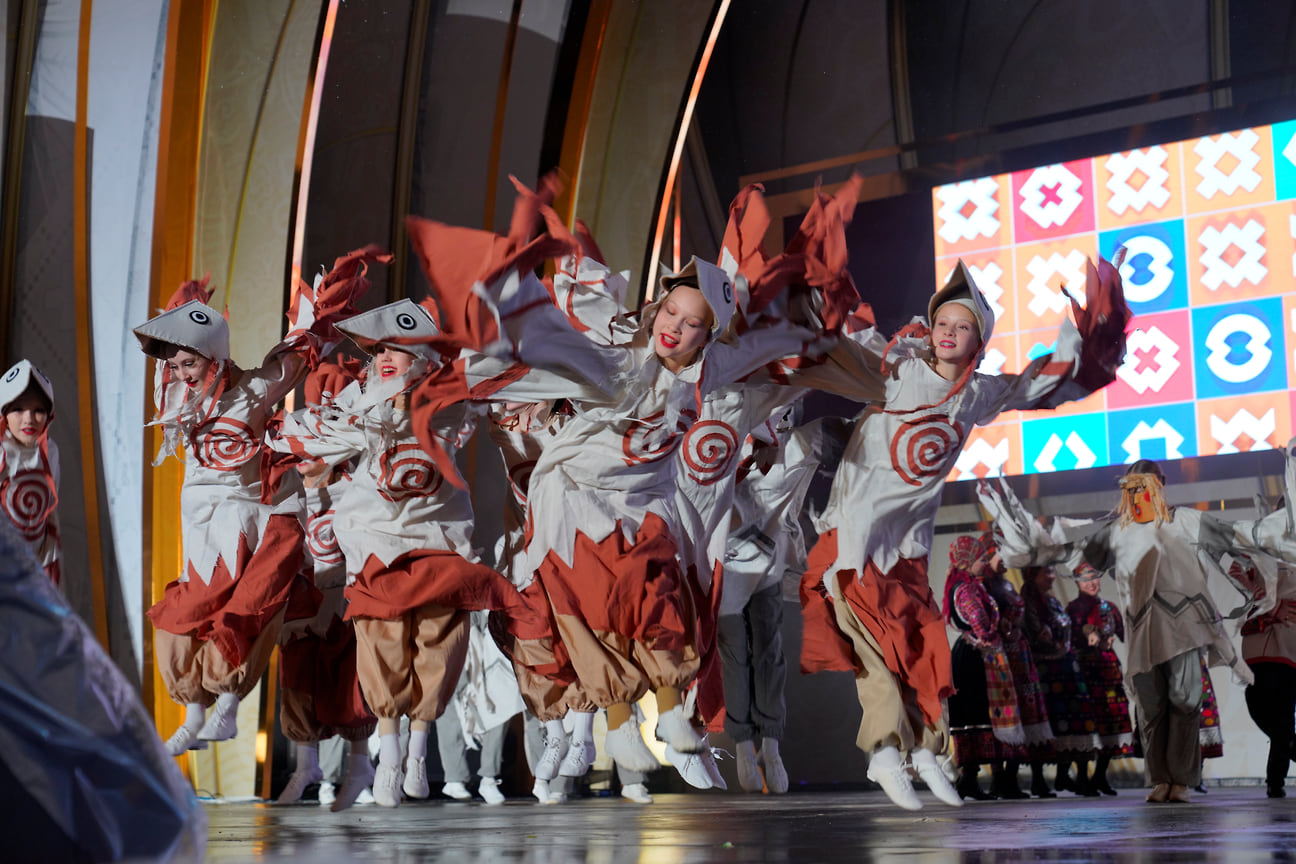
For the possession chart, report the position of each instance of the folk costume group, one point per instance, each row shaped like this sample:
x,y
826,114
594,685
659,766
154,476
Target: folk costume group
x,y
657,475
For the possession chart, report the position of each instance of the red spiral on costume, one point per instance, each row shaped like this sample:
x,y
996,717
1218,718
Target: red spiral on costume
x,y
520,480
641,442
224,443
709,450
925,447
406,471
29,499
320,540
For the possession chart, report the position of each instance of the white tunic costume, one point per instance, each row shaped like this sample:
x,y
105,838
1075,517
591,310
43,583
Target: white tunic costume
x,y
403,525
242,543
605,532
867,604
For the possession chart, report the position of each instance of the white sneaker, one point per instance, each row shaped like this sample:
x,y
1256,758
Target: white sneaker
x,y
776,777
184,738
551,757
675,729
456,790
222,723
488,789
365,796
387,785
355,785
929,771
557,798
888,771
709,757
541,791
297,784
749,775
690,767
580,756
636,792
416,782
627,748
327,793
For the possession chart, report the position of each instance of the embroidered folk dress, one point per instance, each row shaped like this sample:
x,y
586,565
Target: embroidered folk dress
x,y
1101,668
1070,708
984,716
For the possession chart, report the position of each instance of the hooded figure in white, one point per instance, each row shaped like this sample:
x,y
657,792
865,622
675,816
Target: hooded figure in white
x,y
29,462
219,621
867,603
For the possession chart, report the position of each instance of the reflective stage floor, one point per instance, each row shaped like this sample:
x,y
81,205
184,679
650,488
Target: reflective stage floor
x,y
1228,824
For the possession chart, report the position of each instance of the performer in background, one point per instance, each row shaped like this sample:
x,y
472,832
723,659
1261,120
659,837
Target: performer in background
x,y
29,462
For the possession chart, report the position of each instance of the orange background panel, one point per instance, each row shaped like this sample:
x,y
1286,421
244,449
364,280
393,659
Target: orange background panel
x,y
1221,199
1000,237
1173,207
994,436
1274,238
1226,410
1047,318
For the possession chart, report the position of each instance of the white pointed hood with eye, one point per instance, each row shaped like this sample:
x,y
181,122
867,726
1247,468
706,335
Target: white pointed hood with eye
x,y
394,324
20,376
717,289
960,288
193,325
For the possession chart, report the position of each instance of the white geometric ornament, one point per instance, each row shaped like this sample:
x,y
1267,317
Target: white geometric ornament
x,y
1211,151
1257,348
1162,350
1215,243
993,362
1158,431
1069,268
1159,268
1152,192
1084,457
1258,429
981,452
968,210
1050,195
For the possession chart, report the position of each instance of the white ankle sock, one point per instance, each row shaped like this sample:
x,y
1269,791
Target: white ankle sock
x,y
195,715
582,725
554,730
389,749
418,743
769,746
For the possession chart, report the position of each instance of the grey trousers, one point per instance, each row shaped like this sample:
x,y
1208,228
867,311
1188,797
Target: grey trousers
x,y
333,754
754,668
1169,701
454,752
